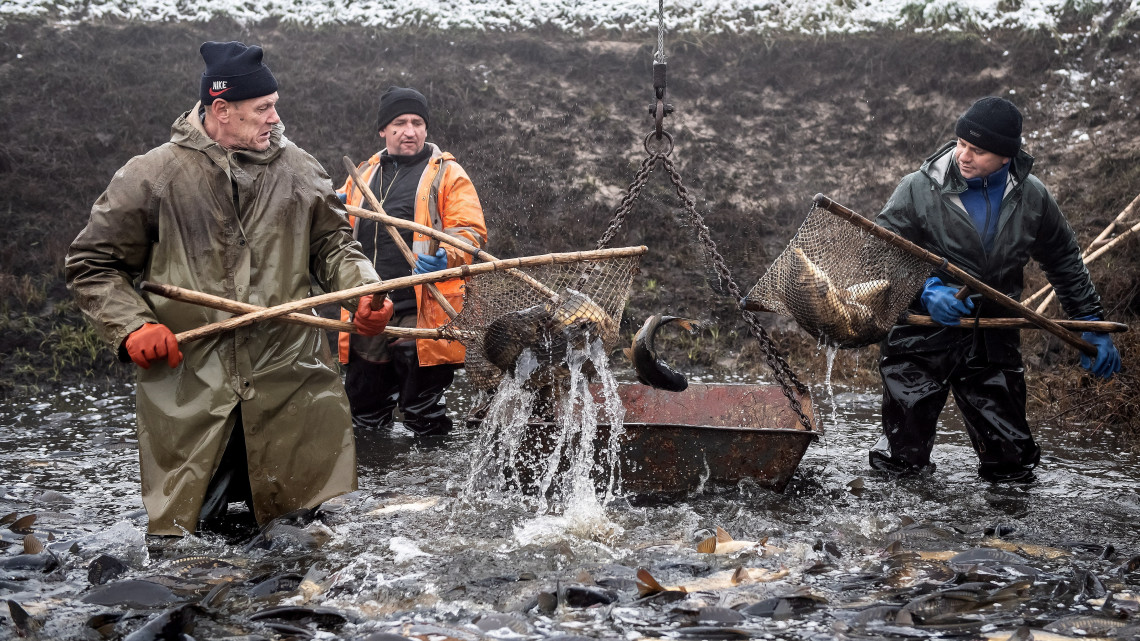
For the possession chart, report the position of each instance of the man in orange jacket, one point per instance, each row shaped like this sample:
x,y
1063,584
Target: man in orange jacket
x,y
413,180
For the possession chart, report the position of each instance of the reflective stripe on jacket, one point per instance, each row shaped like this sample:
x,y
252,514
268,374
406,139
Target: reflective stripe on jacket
x,y
445,201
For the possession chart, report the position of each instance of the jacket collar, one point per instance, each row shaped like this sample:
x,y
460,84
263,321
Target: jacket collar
x,y
941,168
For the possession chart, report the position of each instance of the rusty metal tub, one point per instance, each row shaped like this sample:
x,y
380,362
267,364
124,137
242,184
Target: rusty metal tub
x,y
712,434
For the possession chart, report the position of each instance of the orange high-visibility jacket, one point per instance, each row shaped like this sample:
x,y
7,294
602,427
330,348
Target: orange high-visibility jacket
x,y
446,201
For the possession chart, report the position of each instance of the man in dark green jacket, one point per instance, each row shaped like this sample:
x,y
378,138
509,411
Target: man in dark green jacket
x,y
975,203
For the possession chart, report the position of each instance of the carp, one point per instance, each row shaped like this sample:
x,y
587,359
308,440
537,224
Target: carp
x,y
723,543
844,317
648,366
548,329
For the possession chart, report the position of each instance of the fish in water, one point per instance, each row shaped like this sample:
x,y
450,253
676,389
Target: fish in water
x,y
414,505
841,316
176,623
647,585
648,366
723,543
25,623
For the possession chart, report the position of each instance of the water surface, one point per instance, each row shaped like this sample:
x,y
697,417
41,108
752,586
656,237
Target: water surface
x,y
415,552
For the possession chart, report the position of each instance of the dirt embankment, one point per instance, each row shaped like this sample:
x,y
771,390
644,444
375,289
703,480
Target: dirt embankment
x,y
550,127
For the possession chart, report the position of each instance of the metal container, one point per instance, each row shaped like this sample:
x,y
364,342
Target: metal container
x,y
706,434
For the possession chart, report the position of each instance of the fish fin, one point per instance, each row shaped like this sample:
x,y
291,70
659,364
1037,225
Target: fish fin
x,y
722,536
740,575
904,617
708,546
688,324
23,525
32,545
646,584
905,521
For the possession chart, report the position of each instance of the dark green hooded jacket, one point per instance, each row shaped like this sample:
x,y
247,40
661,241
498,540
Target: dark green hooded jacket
x,y
926,209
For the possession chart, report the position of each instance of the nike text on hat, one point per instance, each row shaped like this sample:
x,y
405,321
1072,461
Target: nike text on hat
x,y
234,72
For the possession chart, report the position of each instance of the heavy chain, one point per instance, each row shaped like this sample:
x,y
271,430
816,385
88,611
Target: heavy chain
x,y
789,382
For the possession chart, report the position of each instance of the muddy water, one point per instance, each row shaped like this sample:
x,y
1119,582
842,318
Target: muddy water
x,y
412,554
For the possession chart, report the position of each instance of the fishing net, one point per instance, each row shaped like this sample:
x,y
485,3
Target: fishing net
x,y
508,322
841,284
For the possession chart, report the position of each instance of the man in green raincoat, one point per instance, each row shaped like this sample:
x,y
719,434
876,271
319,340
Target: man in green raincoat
x,y
229,207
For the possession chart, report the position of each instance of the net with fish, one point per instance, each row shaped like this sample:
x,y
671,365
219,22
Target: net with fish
x,y
841,284
508,321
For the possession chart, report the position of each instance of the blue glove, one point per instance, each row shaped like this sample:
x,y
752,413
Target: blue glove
x,y
940,302
426,264
1107,357
343,196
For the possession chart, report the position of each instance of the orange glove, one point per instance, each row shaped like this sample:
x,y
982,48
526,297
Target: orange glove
x,y
153,342
370,322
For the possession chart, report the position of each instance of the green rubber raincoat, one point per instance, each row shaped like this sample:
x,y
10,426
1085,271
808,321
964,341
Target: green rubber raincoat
x,y
248,226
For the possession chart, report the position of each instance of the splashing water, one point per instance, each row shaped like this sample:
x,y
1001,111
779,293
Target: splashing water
x,y
497,452
566,470
831,353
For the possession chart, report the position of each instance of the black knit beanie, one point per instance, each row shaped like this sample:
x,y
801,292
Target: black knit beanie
x,y
234,72
397,101
994,124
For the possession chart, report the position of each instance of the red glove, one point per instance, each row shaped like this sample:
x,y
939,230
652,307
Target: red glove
x,y
370,322
153,342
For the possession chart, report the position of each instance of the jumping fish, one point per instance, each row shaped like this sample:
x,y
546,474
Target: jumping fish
x,y
648,366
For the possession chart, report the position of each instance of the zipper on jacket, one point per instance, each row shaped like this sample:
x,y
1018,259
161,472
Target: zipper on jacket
x,y
986,226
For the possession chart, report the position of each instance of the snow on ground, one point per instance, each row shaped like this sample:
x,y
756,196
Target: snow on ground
x,y
707,16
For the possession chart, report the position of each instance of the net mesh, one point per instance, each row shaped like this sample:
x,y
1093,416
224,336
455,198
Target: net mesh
x,y
504,317
841,284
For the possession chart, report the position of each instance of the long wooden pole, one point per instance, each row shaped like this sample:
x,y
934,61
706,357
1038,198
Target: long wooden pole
x,y
1088,259
973,283
1095,249
238,307
463,271
458,243
1018,323
396,238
